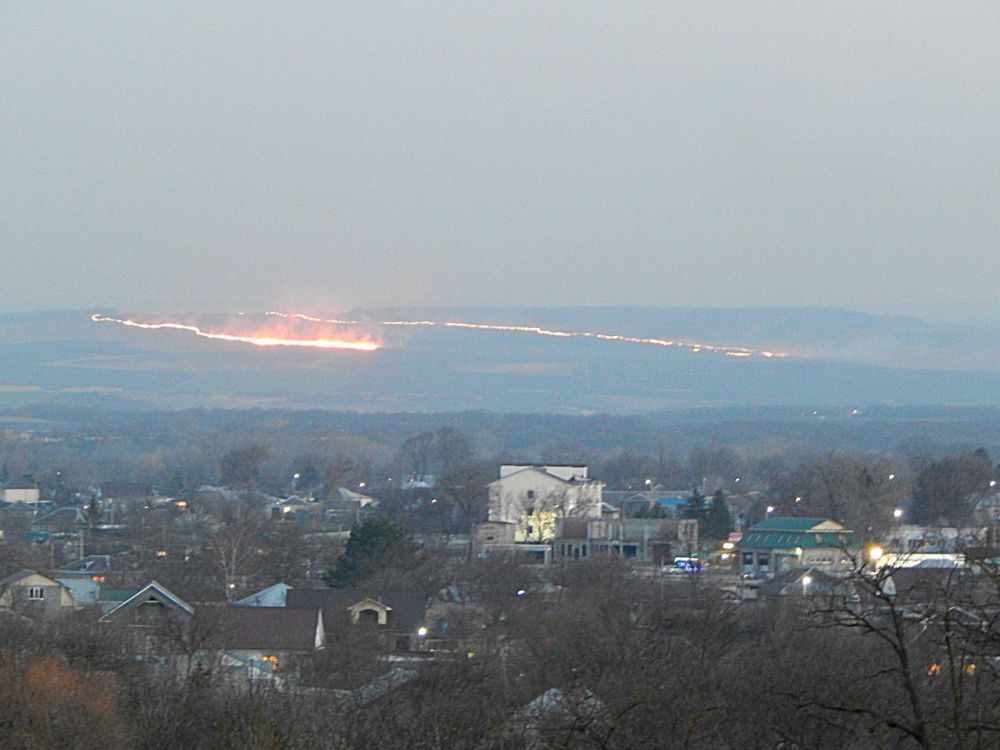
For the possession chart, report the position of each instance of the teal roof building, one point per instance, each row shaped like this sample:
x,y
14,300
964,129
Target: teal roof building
x,y
781,543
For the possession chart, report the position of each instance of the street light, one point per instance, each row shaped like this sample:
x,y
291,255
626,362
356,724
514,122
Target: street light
x,y
770,509
806,580
898,513
875,553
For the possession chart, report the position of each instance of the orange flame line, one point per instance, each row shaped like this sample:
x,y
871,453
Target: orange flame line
x,y
363,346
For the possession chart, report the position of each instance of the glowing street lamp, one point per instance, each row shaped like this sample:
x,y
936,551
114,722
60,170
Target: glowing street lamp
x,y
806,580
875,553
898,513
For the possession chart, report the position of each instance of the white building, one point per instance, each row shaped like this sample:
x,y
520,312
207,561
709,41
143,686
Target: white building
x,y
533,496
28,495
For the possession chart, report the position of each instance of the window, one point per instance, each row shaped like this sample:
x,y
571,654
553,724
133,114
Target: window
x,y
748,558
531,529
36,593
762,560
531,496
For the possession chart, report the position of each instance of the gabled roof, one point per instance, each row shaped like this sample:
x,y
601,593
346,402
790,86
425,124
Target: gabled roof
x,y
272,596
408,607
789,523
785,532
789,539
271,629
541,470
21,575
152,592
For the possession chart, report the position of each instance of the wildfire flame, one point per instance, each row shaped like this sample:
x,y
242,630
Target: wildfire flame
x,y
265,338
257,339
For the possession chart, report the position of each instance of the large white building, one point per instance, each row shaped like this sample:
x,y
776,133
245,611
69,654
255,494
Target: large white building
x,y
28,495
533,496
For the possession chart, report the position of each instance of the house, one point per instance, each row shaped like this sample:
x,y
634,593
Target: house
x,y
642,539
533,496
780,543
807,582
67,518
910,538
295,508
261,640
399,615
94,567
29,590
561,718
151,604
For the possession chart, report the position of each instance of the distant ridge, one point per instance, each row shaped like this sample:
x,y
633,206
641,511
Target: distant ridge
x,y
837,357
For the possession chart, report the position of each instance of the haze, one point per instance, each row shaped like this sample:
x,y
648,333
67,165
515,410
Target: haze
x,y
184,156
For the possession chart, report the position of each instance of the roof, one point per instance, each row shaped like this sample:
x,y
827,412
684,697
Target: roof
x,y
808,533
792,582
83,590
789,539
152,592
788,523
270,629
408,607
20,576
272,596
117,596
88,564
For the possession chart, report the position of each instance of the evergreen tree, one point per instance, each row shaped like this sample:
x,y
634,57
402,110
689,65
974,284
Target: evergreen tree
x,y
375,545
718,521
695,507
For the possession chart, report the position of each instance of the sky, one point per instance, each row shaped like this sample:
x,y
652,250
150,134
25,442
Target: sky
x,y
323,156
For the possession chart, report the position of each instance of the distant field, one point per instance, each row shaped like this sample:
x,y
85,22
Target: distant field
x,y
835,358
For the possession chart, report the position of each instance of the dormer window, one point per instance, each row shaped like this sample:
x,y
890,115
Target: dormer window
x,y
36,593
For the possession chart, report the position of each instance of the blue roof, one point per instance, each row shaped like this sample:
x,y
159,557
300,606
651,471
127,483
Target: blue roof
x,y
672,500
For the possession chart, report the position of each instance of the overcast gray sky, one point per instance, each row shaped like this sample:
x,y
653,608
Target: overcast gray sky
x,y
193,156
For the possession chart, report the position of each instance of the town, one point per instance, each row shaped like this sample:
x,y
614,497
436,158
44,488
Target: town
x,y
322,597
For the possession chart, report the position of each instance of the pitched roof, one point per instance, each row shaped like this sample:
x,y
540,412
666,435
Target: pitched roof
x,y
808,533
788,539
270,629
272,596
88,564
20,576
151,592
789,523
408,607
